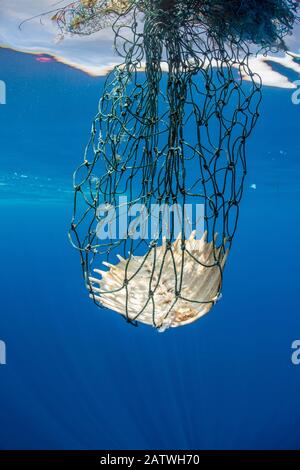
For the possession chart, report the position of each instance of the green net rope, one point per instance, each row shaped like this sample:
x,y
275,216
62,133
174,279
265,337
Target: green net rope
x,y
171,130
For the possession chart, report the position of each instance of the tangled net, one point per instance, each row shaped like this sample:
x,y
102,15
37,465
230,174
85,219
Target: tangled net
x,y
170,133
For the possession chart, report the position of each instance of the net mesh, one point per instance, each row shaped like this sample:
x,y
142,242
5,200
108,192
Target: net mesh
x,y
157,195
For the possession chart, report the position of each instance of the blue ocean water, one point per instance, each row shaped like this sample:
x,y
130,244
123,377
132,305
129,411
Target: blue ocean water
x,y
80,378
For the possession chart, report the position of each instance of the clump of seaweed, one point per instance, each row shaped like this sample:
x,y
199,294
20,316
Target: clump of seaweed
x,y
262,22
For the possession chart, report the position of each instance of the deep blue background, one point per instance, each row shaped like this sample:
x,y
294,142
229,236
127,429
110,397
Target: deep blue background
x,y
80,378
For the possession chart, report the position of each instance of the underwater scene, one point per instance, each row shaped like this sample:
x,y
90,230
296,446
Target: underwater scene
x,y
186,336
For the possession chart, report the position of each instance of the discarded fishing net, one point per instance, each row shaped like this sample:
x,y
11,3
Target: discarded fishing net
x,y
157,195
